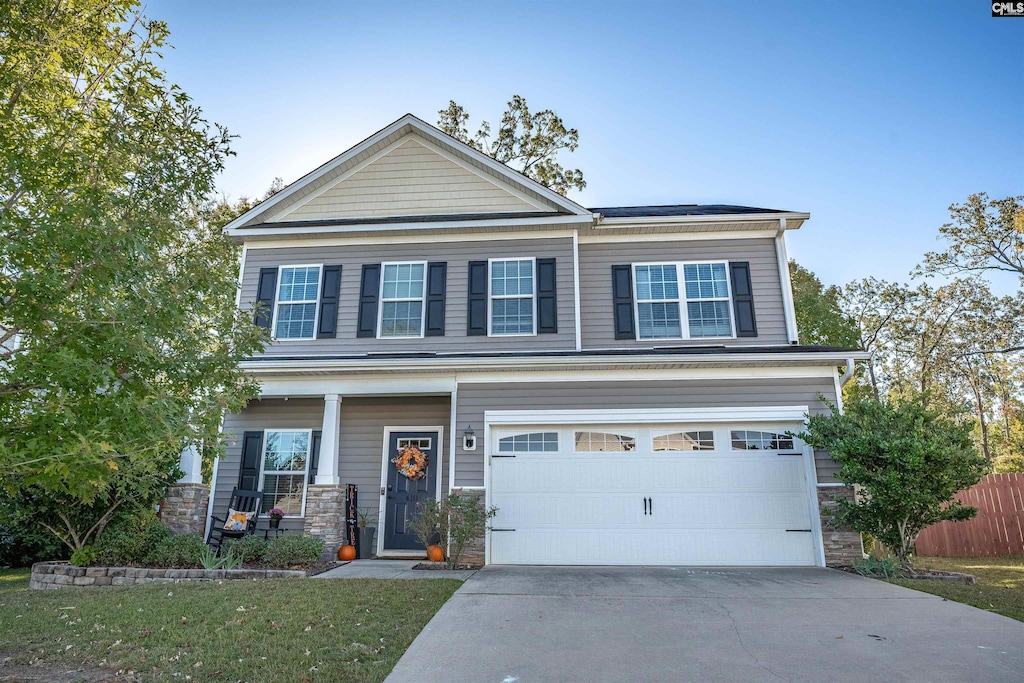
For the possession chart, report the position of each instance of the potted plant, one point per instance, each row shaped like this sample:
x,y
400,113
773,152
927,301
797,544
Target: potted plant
x,y
364,517
276,515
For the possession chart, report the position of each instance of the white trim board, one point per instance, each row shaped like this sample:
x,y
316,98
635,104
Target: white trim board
x,y
647,416
412,239
368,385
285,230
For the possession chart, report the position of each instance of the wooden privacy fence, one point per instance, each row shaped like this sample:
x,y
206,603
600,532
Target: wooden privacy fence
x,y
997,529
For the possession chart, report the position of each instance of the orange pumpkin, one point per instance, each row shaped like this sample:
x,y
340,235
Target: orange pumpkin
x,y
435,553
347,553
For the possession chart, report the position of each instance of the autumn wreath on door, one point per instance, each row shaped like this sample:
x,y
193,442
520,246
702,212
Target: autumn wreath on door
x,y
411,462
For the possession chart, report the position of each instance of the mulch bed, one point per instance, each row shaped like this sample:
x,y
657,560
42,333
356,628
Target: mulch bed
x,y
323,566
439,565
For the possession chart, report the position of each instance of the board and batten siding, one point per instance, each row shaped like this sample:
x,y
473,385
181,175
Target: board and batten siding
x,y
360,451
410,180
457,255
475,399
597,259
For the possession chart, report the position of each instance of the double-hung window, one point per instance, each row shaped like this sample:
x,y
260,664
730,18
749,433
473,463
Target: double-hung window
x,y
512,296
285,466
699,307
298,291
401,311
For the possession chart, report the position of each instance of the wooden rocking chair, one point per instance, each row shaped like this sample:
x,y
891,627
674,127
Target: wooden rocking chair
x,y
241,501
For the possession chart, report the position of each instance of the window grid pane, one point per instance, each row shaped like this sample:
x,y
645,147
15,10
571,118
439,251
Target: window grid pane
x,y
657,283
599,442
659,320
752,440
402,300
295,321
299,284
284,471
401,319
512,316
709,318
535,442
512,296
686,441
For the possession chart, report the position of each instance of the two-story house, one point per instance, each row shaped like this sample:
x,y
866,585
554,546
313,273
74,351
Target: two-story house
x,y
621,383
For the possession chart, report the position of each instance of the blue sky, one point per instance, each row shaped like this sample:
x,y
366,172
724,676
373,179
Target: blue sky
x,y
874,117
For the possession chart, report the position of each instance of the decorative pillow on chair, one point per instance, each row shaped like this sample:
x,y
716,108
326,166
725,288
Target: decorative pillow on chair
x,y
238,521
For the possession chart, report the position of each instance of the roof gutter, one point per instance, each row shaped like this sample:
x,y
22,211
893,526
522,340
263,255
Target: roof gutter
x,y
539,362
850,366
718,218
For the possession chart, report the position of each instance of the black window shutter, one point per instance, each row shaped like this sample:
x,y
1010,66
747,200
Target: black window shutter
x,y
437,275
369,289
314,455
547,304
743,299
330,289
476,315
249,470
622,300
266,292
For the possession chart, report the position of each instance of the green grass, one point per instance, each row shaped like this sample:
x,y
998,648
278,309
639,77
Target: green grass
x,y
270,630
1000,586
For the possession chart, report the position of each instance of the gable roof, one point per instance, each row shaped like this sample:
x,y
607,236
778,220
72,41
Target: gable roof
x,y
320,180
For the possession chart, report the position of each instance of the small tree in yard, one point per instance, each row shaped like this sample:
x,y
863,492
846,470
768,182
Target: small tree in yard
x,y
908,462
457,519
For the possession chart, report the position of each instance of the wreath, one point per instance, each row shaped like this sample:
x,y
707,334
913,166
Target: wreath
x,y
411,462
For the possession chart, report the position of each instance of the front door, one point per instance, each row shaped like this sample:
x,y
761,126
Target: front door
x,y
403,493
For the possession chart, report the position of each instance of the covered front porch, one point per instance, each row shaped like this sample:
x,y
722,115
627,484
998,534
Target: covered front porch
x,y
302,443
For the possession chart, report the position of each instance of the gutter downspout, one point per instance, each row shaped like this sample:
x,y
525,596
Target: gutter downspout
x,y
850,363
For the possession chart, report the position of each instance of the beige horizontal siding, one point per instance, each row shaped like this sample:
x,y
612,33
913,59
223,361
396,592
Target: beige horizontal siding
x,y
407,181
474,399
457,255
596,261
360,452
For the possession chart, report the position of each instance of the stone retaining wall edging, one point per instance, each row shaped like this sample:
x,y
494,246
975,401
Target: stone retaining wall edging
x,y
52,575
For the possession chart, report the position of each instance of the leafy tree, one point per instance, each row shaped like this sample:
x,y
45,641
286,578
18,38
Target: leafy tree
x,y
112,275
984,235
908,462
818,314
527,141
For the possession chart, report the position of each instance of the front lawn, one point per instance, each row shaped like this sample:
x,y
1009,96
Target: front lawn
x,y
268,630
1000,586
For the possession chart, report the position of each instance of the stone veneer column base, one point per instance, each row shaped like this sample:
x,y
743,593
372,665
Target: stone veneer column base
x,y
473,553
184,508
325,516
843,546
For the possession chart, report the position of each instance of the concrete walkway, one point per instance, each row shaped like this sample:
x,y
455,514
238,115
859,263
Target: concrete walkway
x,y
566,624
392,569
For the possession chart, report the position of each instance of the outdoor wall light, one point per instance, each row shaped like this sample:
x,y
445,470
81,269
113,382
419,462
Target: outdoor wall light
x,y
469,439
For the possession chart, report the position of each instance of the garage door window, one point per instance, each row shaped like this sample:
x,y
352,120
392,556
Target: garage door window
x,y
533,442
601,442
685,441
750,440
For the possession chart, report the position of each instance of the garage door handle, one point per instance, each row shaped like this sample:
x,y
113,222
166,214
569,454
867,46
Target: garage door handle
x,y
650,505
803,531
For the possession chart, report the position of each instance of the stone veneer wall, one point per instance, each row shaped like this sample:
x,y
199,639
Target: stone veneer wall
x,y
183,509
843,546
474,550
47,575
325,516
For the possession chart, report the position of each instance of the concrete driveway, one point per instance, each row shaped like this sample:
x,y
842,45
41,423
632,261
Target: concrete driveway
x,y
561,624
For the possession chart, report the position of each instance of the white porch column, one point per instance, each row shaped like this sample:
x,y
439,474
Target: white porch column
x,y
191,464
327,469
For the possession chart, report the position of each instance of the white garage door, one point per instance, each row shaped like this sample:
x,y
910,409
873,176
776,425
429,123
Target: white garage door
x,y
686,495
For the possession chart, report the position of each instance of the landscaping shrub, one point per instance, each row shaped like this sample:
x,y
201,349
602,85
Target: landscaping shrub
x,y
20,546
889,567
84,556
294,551
129,540
183,551
248,549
